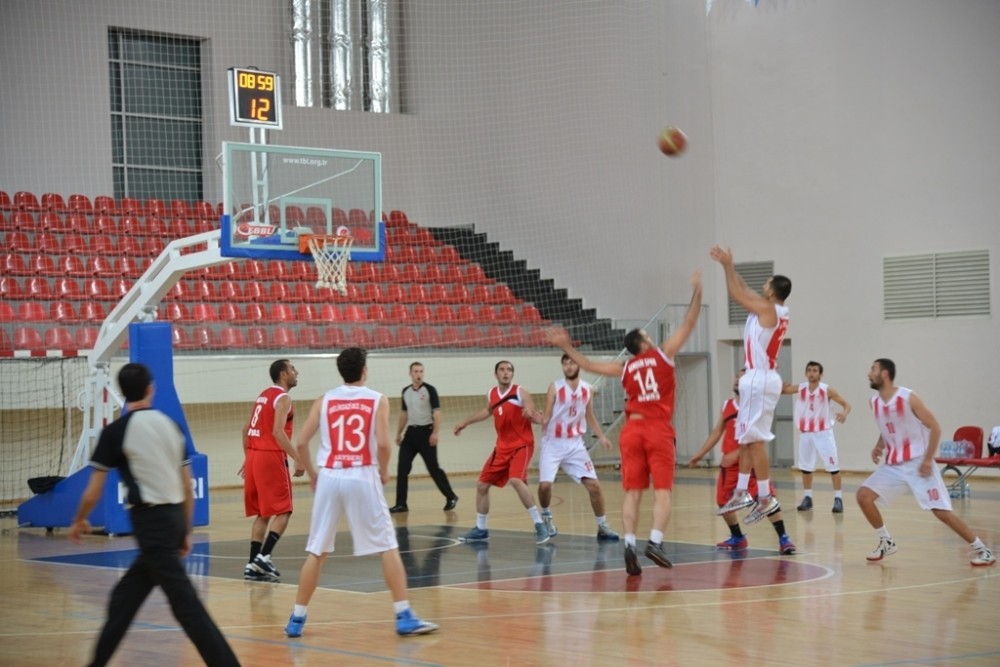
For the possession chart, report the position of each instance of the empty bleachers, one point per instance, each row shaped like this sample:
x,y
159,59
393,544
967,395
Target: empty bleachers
x,y
68,259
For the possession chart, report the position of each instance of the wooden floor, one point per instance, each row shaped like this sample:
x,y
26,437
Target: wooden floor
x,y
565,603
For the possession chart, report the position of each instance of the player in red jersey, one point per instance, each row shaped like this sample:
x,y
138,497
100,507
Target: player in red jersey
x,y
647,439
267,485
725,430
513,412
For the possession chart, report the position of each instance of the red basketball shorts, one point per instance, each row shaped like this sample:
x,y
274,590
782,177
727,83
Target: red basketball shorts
x,y
647,447
505,464
267,484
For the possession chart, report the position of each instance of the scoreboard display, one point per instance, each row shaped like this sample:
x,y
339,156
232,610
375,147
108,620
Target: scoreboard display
x,y
254,98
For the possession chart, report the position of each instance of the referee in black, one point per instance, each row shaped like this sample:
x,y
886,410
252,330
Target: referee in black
x,y
419,424
148,449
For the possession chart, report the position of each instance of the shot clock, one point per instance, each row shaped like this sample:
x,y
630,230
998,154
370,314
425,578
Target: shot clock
x,y
254,98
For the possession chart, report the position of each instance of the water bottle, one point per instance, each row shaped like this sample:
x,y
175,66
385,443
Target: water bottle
x,y
964,449
947,449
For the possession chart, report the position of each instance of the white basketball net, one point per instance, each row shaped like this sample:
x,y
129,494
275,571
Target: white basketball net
x,y
330,254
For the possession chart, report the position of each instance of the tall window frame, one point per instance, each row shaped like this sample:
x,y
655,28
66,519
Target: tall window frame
x,y
156,115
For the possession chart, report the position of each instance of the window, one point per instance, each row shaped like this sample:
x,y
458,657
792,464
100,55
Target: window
x,y
755,274
156,118
948,284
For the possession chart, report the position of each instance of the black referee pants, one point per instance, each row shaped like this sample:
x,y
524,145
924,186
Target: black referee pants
x,y
160,530
417,440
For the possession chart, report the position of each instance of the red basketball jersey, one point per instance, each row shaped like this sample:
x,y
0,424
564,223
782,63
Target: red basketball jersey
x,y
648,379
513,429
260,434
729,442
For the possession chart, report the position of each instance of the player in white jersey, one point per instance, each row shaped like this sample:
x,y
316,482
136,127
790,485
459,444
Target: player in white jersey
x,y
909,438
760,386
568,411
353,461
814,419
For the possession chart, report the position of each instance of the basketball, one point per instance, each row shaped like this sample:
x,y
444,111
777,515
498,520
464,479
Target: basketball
x,y
672,142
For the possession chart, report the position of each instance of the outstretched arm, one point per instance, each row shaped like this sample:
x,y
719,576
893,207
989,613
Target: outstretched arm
x,y
712,441
741,293
673,345
560,339
478,417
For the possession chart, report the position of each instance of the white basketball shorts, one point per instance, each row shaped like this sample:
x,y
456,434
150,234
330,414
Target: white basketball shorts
x,y
357,494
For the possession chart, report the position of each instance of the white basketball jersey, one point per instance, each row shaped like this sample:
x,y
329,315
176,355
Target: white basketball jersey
x,y
569,412
904,435
347,428
761,345
812,409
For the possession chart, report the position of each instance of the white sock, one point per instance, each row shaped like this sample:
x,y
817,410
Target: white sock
x,y
630,539
300,610
883,533
602,521
656,536
808,493
546,511
978,544
533,513
763,488
742,483
481,521
838,494
401,606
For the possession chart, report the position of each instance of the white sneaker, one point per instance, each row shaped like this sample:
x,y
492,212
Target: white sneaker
x,y
886,547
983,556
737,502
770,506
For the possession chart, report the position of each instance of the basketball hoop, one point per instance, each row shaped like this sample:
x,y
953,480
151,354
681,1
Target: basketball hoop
x,y
330,254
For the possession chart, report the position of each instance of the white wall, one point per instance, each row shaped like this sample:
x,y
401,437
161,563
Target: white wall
x,y
824,136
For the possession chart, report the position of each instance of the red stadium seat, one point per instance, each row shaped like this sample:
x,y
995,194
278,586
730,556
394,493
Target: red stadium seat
x,y
38,288
465,314
229,292
53,222
302,293
395,294
294,216
376,312
481,294
309,337
45,265
409,273
31,311
487,314
173,311
258,338
203,337
19,242
299,271
154,246
406,255
7,312
131,226
494,336
503,294
54,202
281,312
514,337
438,294
63,311
382,338
316,217
5,203
106,225
277,292
179,209
5,343
359,337
333,338
26,338
306,313
203,209
443,314
130,206
254,291
361,272
356,218
507,313
204,312
14,265
92,311
156,230
10,289
329,312
406,337
283,338
229,312
389,273
231,338
459,294
79,224
72,265
179,292
132,267
24,221
371,293
86,338
397,218
397,312
156,207
26,201
354,313
432,274
119,287
254,313
422,313
178,228
59,338
96,289
530,314
48,242
79,204
104,205
67,288
181,338
450,337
